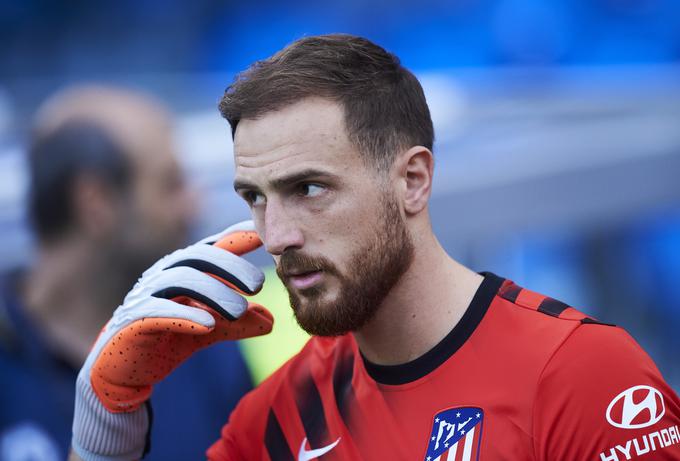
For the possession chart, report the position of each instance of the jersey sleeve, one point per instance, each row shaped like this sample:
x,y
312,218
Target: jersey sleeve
x,y
226,447
600,397
242,437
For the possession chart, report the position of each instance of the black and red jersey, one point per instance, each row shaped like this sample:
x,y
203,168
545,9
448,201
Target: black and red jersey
x,y
520,377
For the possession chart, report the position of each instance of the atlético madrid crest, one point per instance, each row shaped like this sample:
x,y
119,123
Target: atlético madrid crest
x,y
456,435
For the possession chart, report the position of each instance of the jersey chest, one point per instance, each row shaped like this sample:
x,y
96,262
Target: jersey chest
x,y
437,419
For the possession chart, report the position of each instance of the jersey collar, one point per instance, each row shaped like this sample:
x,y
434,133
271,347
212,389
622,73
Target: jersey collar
x,y
428,362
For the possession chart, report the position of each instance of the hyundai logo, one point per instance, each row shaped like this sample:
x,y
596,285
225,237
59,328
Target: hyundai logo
x,y
635,408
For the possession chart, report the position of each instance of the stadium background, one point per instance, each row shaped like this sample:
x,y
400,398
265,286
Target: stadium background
x,y
558,129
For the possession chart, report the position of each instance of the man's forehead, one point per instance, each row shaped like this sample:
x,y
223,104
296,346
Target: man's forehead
x,y
311,120
309,132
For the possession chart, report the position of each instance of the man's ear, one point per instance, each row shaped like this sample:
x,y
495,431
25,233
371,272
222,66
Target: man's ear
x,y
414,168
95,207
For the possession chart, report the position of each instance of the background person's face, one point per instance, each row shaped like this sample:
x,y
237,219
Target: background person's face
x,y
332,224
159,207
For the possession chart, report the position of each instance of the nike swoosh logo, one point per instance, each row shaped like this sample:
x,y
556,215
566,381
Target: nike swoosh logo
x,y
308,455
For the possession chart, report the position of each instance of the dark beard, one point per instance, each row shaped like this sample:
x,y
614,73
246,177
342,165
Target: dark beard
x,y
373,269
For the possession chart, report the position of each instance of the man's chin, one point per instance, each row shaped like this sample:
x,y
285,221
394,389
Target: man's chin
x,y
321,329
319,319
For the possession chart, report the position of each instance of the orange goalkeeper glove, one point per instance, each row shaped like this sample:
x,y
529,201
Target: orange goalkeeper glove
x,y
188,300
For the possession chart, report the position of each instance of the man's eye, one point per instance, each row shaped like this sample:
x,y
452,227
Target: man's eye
x,y
253,198
311,190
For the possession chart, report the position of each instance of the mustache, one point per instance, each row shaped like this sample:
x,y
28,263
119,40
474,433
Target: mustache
x,y
294,262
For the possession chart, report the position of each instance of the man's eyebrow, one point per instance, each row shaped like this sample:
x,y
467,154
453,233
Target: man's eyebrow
x,y
240,184
286,180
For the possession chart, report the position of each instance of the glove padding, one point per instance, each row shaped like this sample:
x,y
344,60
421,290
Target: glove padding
x,y
188,300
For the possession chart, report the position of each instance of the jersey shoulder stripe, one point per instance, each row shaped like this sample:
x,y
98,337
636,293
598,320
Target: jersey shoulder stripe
x,y
532,300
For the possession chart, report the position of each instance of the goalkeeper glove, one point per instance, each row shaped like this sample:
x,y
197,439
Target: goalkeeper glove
x,y
188,300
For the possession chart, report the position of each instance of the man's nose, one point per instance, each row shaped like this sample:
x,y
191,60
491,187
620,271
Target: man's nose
x,y
282,231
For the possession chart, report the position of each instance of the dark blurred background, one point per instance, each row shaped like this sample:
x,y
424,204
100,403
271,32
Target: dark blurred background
x,y
557,122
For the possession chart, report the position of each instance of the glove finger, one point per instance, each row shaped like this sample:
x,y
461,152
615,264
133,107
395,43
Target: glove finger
x,y
151,307
256,321
244,226
232,270
259,321
239,243
186,282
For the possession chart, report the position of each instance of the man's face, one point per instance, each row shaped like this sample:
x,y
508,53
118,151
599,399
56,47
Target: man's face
x,y
332,223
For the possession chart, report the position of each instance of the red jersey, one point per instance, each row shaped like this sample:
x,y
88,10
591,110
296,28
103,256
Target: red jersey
x,y
520,377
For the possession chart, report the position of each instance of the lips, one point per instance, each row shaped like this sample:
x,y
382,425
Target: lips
x,y
304,280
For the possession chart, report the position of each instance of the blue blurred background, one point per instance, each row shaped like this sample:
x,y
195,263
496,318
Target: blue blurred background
x,y
557,122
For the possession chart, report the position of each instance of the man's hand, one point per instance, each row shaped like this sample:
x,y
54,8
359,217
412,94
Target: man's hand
x,y
188,300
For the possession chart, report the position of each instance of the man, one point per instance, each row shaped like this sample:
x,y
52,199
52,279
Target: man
x,y
107,198
415,356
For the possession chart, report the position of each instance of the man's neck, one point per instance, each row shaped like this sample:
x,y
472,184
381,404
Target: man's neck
x,y
424,306
66,296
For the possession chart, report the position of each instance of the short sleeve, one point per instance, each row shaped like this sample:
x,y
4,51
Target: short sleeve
x,y
224,449
239,438
601,397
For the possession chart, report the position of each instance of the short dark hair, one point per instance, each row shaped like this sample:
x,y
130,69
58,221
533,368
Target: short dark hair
x,y
57,159
384,104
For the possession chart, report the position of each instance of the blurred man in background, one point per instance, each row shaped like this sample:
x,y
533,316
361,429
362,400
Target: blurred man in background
x,y
107,199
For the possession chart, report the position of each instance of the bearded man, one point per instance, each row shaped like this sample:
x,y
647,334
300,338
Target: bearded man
x,y
415,356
